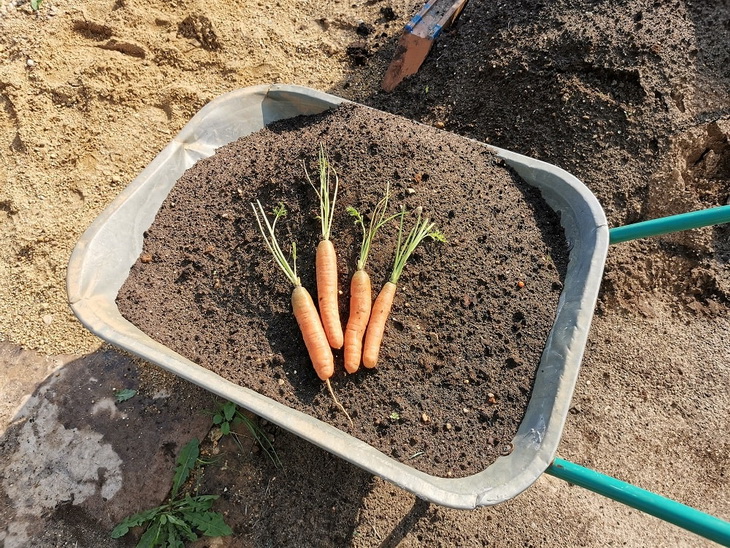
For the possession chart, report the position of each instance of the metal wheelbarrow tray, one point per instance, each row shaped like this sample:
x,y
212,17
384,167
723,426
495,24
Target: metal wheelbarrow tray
x,y
101,261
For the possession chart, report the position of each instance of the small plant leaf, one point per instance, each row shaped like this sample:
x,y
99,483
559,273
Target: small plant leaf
x,y
437,236
229,410
185,463
135,520
226,428
356,214
124,395
152,536
174,523
120,530
211,524
262,439
280,210
181,527
201,503
173,537
35,4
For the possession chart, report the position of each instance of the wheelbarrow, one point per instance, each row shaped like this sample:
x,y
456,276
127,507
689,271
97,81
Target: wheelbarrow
x,y
101,261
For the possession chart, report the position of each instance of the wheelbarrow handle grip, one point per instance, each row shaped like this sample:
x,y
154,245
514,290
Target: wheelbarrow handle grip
x,y
674,223
666,509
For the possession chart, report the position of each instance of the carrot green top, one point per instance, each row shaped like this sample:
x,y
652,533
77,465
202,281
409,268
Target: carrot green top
x,y
327,197
405,248
273,245
377,220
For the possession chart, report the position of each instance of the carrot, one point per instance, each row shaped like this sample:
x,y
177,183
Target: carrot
x,y
302,304
376,325
326,270
360,286
360,305
312,332
326,258
383,303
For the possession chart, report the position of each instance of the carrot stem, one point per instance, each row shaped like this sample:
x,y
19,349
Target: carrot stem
x,y
273,244
377,220
424,228
327,196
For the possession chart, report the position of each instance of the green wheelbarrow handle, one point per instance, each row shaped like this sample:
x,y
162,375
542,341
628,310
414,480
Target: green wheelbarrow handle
x,y
683,516
674,223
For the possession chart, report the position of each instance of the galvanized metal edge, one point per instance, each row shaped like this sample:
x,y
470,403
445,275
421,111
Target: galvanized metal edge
x,y
106,251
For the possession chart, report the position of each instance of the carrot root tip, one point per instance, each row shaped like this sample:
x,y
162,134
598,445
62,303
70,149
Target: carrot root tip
x,y
337,402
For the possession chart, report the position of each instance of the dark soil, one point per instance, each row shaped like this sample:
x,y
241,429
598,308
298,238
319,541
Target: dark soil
x,y
464,338
630,97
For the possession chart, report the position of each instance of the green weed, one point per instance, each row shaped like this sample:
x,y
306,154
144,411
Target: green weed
x,y
229,417
182,517
124,394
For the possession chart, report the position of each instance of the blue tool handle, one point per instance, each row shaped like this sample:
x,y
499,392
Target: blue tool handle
x,y
674,223
418,17
666,509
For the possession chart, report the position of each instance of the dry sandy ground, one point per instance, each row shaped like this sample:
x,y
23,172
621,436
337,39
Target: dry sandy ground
x,y
91,92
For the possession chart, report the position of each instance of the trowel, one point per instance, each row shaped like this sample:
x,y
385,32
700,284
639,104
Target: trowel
x,y
418,38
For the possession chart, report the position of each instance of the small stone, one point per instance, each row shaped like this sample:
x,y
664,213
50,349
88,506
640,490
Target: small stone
x,y
145,258
30,63
425,418
439,125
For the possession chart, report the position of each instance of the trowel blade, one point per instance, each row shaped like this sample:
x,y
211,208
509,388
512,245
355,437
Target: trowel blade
x,y
410,54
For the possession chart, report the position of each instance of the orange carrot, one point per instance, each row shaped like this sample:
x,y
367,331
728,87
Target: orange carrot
x,y
376,325
312,332
360,287
302,304
326,269
360,305
384,302
326,258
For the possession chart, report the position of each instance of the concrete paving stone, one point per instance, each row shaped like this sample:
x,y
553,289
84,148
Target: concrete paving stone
x,y
74,461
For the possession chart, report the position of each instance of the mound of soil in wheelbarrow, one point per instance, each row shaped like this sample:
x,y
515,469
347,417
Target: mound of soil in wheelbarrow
x,y
470,318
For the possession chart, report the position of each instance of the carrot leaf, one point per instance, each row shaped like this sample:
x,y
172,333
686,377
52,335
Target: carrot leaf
x,y
377,220
267,231
326,193
422,229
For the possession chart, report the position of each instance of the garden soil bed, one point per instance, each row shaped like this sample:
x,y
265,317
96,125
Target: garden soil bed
x,y
470,318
